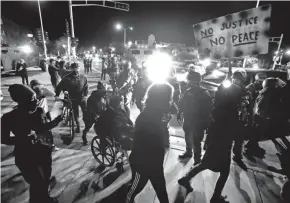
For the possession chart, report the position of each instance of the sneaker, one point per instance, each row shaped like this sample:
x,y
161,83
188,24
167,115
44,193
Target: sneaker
x,y
185,155
185,183
218,199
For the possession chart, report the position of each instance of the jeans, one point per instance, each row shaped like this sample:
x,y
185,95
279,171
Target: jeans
x,y
224,174
24,78
193,139
75,106
103,75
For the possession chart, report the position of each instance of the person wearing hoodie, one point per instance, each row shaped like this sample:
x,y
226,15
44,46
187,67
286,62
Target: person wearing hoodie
x,y
147,156
96,104
33,146
195,105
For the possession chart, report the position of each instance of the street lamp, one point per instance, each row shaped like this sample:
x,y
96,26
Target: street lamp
x,y
120,27
130,43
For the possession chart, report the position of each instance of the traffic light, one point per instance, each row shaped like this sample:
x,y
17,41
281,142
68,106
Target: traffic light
x,y
122,6
74,42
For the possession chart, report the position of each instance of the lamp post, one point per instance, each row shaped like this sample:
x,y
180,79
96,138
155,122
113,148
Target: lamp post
x,y
42,31
120,27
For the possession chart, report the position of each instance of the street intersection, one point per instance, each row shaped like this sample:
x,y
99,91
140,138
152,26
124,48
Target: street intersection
x,y
80,179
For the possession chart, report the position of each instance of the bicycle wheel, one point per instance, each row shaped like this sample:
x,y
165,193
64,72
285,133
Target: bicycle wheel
x,y
71,121
105,157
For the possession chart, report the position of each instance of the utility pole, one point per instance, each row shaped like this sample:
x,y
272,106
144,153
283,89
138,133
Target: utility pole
x,y
125,33
114,5
72,27
42,31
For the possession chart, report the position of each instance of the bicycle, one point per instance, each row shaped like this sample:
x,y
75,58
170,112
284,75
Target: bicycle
x,y
68,115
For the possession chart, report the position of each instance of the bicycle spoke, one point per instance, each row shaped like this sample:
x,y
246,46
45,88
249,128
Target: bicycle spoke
x,y
107,159
97,154
97,148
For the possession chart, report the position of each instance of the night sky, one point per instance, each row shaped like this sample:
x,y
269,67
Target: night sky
x,y
168,21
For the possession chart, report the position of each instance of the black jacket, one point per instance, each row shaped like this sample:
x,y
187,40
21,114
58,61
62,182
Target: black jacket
x,y
76,85
196,105
21,66
148,145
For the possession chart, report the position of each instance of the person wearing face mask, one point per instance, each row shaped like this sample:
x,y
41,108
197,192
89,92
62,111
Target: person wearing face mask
x,y
77,87
33,149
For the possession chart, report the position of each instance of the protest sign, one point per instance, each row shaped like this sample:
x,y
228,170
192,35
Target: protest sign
x,y
236,35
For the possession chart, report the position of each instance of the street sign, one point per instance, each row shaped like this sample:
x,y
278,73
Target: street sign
x,y
235,35
122,6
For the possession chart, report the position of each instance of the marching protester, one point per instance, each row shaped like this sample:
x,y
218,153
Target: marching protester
x,y
21,70
223,130
124,84
148,150
32,141
53,72
195,105
77,87
104,69
96,104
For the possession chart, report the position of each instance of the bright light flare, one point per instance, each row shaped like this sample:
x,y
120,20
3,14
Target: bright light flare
x,y
227,83
158,67
219,65
119,26
26,49
130,43
288,52
181,77
205,62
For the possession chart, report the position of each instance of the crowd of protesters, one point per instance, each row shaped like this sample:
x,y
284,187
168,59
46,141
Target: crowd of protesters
x,y
223,118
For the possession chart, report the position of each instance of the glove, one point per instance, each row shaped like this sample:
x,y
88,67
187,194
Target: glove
x,y
58,119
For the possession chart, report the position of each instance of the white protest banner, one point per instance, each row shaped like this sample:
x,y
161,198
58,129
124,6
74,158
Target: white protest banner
x,y
240,34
